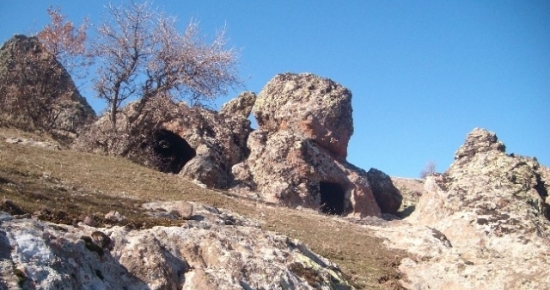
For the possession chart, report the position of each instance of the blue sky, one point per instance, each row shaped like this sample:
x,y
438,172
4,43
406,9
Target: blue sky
x,y
423,73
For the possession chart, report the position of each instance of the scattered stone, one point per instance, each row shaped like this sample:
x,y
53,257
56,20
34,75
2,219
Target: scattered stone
x,y
114,216
28,142
173,210
101,240
89,221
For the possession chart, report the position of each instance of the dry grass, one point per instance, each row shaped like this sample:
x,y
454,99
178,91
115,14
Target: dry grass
x,y
64,186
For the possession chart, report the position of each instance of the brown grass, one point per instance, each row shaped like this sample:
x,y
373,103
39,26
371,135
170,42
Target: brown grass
x,y
64,186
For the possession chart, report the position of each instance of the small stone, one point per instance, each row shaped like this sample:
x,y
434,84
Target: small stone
x,y
114,216
101,240
89,221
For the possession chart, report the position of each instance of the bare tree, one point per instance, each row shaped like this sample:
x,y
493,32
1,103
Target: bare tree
x,y
141,55
65,42
429,170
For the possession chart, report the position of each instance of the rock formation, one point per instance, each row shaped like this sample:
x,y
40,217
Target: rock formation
x,y
483,224
37,93
387,196
196,142
298,153
213,250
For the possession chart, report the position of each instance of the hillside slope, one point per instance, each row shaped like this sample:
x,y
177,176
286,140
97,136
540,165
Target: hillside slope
x,y
67,187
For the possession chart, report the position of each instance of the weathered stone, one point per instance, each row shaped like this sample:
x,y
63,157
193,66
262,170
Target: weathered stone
x,y
297,156
490,208
174,210
114,216
239,106
37,93
27,142
89,221
174,138
387,196
479,141
209,253
318,108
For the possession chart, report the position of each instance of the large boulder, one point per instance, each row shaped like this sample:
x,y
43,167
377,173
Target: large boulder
x,y
387,196
298,153
483,224
218,250
317,108
37,93
196,142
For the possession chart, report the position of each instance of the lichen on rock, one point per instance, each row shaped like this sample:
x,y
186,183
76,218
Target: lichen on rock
x,y
490,212
195,142
215,250
298,153
37,93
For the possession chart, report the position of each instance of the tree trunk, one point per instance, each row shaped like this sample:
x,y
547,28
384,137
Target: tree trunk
x,y
113,115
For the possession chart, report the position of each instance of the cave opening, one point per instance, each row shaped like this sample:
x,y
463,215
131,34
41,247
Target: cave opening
x,y
171,152
332,198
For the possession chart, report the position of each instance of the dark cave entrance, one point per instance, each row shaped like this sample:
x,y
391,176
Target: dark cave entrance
x,y
332,198
171,152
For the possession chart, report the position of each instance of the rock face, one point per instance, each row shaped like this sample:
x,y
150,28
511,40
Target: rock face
x,y
387,196
217,250
37,93
319,109
484,224
199,143
297,155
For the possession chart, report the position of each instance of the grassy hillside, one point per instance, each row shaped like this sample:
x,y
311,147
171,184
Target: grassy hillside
x,y
65,186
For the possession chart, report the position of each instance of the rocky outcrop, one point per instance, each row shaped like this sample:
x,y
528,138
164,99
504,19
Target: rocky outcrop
x,y
483,224
387,196
319,109
239,106
411,190
196,142
214,249
298,153
37,93
485,180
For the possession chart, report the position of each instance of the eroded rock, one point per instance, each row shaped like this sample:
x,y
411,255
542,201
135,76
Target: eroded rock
x,y
240,106
297,155
491,209
37,93
387,196
218,250
319,109
196,142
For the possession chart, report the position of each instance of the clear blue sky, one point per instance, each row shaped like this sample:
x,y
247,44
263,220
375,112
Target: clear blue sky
x,y
423,73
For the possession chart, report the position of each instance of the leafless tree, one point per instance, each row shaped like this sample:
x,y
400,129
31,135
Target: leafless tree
x,y
141,55
428,170
66,42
